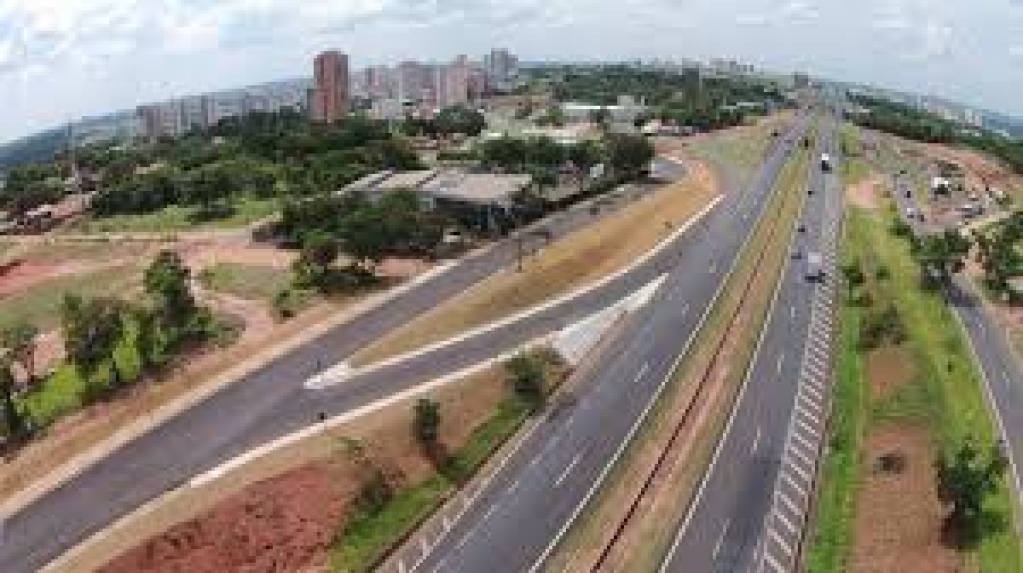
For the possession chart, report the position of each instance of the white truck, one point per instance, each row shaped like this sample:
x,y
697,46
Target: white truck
x,y
814,267
825,162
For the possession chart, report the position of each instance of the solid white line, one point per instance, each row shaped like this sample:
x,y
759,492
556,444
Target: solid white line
x,y
568,469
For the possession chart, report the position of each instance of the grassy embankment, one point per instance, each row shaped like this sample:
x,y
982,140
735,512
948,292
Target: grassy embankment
x,y
944,396
368,535
650,536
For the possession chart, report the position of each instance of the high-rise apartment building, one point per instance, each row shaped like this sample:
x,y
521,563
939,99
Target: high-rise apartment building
x,y
332,90
500,67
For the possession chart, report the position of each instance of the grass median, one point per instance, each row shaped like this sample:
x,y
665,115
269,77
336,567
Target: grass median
x,y
944,399
649,536
581,258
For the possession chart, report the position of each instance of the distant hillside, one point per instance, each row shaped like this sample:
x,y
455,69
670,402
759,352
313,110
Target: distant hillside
x,y
34,148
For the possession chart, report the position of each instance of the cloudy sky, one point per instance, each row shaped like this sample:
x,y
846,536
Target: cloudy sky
x,y
60,59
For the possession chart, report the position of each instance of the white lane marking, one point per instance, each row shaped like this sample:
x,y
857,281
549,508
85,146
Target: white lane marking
x,y
721,539
813,418
641,372
781,361
817,395
778,539
775,565
792,312
756,442
802,473
792,449
489,512
794,484
803,440
564,474
447,523
401,566
791,505
781,517
424,545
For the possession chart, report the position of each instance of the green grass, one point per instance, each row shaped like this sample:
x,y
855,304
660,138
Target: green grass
x,y
946,394
367,537
254,282
40,304
67,390
177,218
855,167
833,532
745,154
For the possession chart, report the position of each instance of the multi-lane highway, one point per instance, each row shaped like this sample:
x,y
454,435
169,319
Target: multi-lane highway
x,y
272,401
514,522
750,508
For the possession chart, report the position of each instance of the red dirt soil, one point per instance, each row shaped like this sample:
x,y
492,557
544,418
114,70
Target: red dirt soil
x,y
899,517
285,523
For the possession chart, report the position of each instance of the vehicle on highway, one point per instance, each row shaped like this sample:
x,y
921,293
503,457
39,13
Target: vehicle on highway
x,y
825,162
814,267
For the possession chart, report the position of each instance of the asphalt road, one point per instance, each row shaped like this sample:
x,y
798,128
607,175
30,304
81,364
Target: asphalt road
x,y
516,519
272,402
726,524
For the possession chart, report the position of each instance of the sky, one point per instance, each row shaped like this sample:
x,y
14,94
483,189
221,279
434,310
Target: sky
x,y
62,59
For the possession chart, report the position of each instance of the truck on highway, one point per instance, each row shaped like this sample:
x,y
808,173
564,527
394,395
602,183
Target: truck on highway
x,y
814,267
825,162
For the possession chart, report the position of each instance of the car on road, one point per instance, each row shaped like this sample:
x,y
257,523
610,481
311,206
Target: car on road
x,y
814,267
825,162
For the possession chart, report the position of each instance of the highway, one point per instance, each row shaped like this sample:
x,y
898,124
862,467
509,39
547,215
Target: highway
x,y
759,467
272,401
517,518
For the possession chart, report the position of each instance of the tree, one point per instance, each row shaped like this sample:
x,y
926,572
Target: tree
x,y
20,341
427,421
167,280
319,251
13,419
943,253
460,119
964,479
92,329
629,154
527,377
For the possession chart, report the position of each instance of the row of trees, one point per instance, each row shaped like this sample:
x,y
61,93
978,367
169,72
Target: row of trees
x,y
625,155
95,329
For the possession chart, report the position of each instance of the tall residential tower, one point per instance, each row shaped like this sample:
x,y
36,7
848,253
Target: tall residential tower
x,y
330,97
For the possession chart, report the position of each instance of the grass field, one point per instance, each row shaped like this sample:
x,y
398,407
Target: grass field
x,y
743,151
254,282
854,166
578,259
176,218
40,304
946,395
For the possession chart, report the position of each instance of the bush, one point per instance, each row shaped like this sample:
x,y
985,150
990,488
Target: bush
x,y
286,303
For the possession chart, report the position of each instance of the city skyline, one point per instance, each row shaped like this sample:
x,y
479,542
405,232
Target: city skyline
x,y
129,52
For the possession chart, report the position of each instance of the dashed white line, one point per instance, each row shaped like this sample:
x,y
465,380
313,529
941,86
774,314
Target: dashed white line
x,y
721,539
781,361
568,469
756,442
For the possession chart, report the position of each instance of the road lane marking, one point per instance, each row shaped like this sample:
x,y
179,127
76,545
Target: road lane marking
x,y
775,565
642,371
778,539
794,484
756,442
801,438
568,469
802,473
792,449
814,419
792,312
721,539
781,361
791,505
781,517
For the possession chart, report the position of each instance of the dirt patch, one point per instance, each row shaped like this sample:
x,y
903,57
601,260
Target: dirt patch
x,y
20,276
888,368
287,522
899,516
867,193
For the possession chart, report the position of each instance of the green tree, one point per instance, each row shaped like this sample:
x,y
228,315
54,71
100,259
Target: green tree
x,y
13,420
964,479
20,341
629,154
167,280
92,329
943,253
460,119
319,251
527,378
426,424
